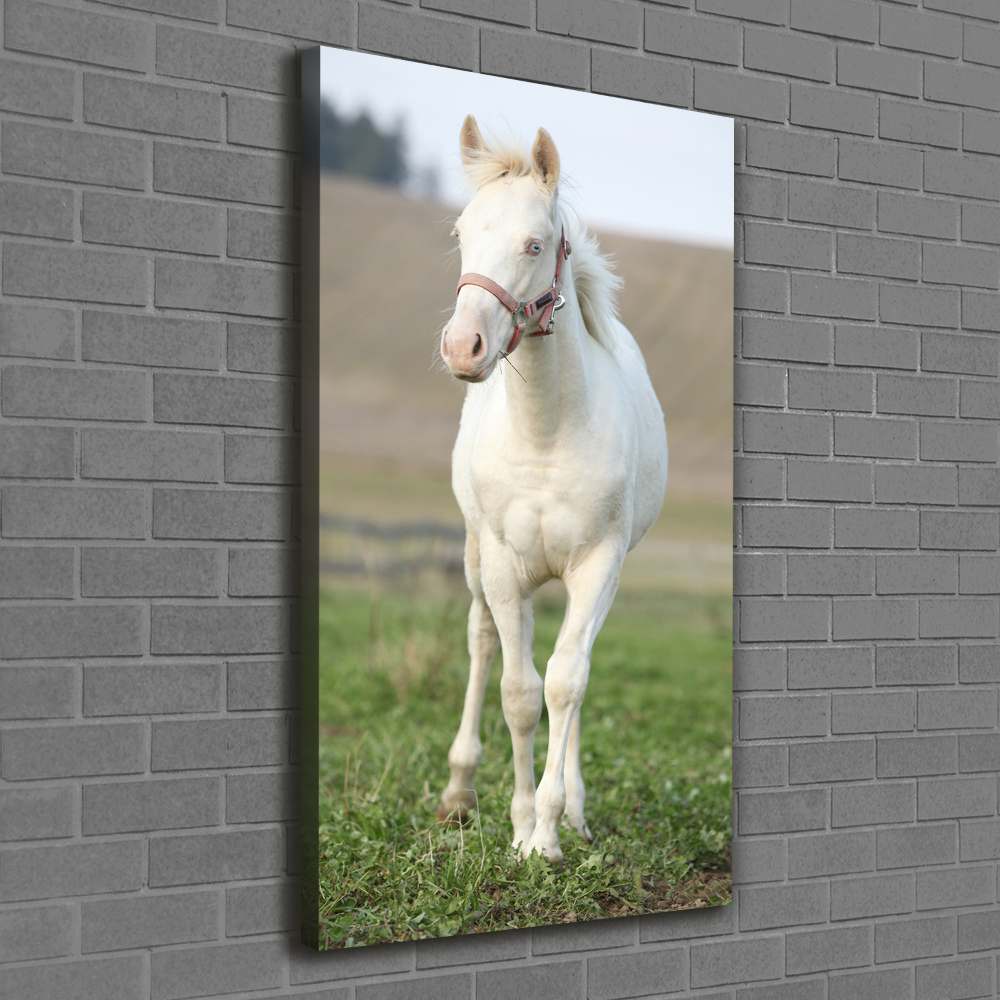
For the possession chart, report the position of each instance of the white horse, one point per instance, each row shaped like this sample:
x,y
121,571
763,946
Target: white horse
x,y
559,468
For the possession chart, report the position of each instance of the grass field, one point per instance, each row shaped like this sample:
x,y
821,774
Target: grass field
x,y
656,760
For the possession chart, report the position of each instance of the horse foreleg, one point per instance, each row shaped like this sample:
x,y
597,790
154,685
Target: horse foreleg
x,y
575,792
459,796
590,587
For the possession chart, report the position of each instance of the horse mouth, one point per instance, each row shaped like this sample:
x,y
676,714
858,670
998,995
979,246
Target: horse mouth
x,y
483,374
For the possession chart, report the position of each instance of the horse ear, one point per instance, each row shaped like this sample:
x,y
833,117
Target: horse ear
x,y
545,161
470,140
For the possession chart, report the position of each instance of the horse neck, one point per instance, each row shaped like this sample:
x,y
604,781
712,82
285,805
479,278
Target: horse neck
x,y
554,382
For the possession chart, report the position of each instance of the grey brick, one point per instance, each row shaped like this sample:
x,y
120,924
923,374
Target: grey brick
x,y
44,813
813,389
36,571
37,453
840,18
977,664
72,155
36,932
264,236
253,686
761,290
155,919
829,481
833,110
692,37
978,931
912,756
313,20
918,306
918,123
34,873
847,298
171,456
838,760
964,886
248,742
872,712
727,962
558,980
37,332
830,854
979,574
764,11
911,484
636,77
781,527
232,288
764,620
877,255
884,72
262,798
206,970
83,36
238,62
969,355
787,340
33,210
43,90
941,529
37,692
919,32
783,906
63,273
192,10
865,805
259,459
964,85
60,512
830,204
760,766
830,574
982,44
874,437
758,478
917,574
818,951
766,243
264,349
923,844
220,174
980,132
953,798
263,573
759,861
225,400
126,338
787,55
740,95
109,978
137,806
191,859
755,574
948,264
956,710
787,433
949,442
917,395
140,222
756,669
905,940
262,123
610,977
917,215
30,391
829,667
608,21
871,896
968,978
888,984
52,631
877,347
72,751
220,514
791,152
309,966
967,176
979,840
782,812
880,529
759,385
165,689
980,399
207,631
784,716
149,572
452,43
979,310
878,163
978,753
260,909
981,223
974,8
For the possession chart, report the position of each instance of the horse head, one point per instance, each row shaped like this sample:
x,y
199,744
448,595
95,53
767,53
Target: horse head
x,y
510,243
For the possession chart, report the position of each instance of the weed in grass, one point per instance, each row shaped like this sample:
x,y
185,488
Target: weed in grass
x,y
656,758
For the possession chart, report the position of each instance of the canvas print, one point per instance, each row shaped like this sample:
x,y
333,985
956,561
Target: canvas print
x,y
518,504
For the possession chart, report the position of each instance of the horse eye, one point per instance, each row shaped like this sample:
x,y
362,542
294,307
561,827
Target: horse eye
x,y
535,248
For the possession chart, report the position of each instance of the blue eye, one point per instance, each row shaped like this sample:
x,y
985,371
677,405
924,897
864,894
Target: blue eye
x,y
535,248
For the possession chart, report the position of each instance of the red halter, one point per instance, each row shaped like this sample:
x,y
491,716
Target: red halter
x,y
545,304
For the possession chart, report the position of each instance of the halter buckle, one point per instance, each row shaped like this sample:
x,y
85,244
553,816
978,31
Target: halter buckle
x,y
560,302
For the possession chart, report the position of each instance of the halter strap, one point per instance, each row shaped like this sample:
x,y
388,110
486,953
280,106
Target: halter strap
x,y
545,304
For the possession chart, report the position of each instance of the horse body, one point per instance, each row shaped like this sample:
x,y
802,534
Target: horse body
x,y
559,469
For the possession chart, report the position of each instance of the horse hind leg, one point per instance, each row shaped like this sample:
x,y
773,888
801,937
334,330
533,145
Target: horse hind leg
x,y
459,796
576,794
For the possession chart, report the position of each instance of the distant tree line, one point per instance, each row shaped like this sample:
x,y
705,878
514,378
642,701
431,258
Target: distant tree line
x,y
356,146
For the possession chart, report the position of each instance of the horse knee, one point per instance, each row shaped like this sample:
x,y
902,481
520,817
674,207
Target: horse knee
x,y
565,682
522,701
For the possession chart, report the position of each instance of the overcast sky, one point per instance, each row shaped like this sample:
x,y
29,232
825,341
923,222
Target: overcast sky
x,y
626,165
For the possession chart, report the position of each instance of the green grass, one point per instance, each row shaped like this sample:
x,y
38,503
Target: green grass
x,y
656,760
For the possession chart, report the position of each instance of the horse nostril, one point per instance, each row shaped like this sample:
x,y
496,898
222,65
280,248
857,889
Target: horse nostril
x,y
477,347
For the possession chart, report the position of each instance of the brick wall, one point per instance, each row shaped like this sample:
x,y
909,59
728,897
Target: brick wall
x,y
149,184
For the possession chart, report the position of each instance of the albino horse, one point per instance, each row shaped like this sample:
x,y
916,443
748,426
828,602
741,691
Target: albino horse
x,y
559,468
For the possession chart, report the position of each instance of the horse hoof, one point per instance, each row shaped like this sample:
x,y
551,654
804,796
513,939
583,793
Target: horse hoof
x,y
458,816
